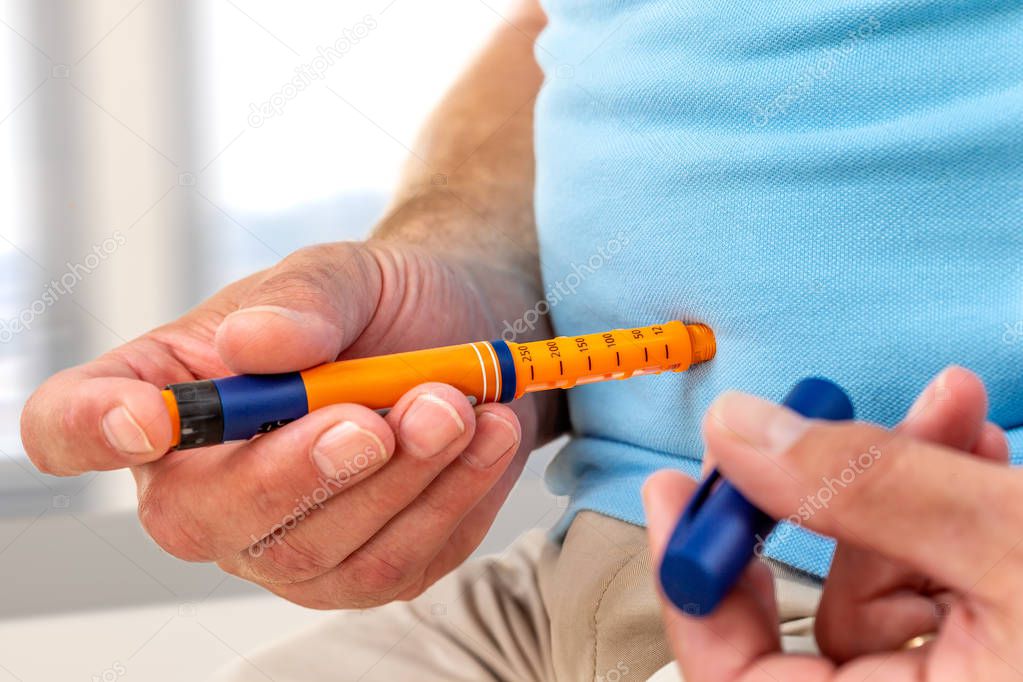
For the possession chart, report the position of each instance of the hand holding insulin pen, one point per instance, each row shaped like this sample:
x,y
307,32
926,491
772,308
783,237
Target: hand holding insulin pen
x,y
717,533
236,408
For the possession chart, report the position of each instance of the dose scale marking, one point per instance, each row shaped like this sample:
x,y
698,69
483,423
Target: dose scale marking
x,y
569,361
238,407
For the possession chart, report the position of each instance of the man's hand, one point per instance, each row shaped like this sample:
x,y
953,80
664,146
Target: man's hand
x,y
932,525
342,508
874,604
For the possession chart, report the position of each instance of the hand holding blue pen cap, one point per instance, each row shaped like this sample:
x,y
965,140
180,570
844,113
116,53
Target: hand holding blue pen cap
x,y
923,573
719,530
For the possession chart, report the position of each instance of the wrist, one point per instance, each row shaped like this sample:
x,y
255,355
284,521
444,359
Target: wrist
x,y
416,218
501,267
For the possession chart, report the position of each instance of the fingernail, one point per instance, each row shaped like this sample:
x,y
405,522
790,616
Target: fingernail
x,y
942,387
758,423
345,449
288,313
124,433
495,436
934,391
429,425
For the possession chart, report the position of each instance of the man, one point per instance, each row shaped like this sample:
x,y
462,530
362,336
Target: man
x,y
833,188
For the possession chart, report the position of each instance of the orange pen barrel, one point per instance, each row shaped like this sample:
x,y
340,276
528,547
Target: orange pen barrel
x,y
619,354
378,382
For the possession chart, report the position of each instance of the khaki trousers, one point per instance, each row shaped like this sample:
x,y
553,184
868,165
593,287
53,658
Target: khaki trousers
x,y
583,611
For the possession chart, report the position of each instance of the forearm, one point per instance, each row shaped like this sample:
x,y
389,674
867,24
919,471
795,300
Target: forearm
x,y
467,189
468,186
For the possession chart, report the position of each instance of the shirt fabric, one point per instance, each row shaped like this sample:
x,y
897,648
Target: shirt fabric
x,y
834,187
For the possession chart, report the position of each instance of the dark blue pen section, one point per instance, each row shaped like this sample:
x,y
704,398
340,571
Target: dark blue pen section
x,y
719,531
507,364
253,402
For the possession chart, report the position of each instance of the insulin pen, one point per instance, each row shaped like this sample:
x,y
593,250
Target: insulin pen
x,y
239,407
719,531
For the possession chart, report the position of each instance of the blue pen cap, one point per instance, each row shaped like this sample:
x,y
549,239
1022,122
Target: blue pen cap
x,y
817,398
719,531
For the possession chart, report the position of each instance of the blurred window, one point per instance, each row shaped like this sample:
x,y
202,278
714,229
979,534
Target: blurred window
x,y
222,134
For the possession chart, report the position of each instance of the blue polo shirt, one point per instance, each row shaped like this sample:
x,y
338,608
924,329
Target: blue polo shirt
x,y
834,186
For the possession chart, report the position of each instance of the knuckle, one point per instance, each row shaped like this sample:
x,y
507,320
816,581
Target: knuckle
x,y
287,559
169,528
376,579
436,505
283,555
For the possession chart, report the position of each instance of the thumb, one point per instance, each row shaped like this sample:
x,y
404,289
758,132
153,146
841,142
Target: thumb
x,y
665,495
309,307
